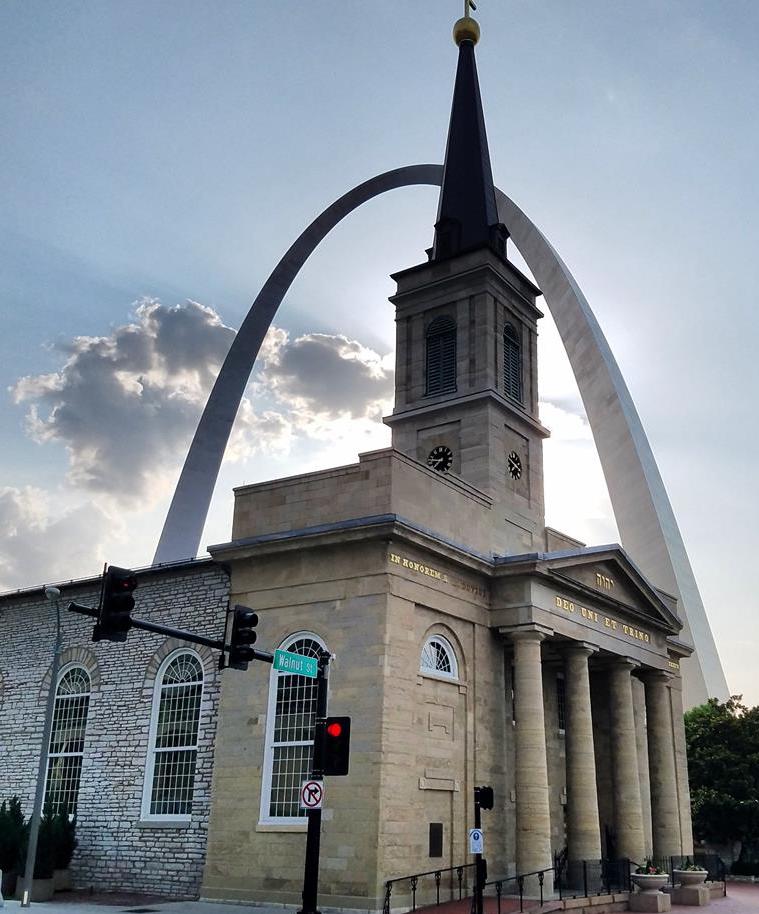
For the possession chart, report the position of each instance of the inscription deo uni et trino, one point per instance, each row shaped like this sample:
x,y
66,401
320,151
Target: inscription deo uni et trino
x,y
592,616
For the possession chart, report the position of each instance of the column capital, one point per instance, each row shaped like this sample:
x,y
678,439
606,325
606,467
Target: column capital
x,y
580,647
533,632
624,663
651,675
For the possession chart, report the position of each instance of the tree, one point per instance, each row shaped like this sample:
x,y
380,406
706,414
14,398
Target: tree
x,y
723,768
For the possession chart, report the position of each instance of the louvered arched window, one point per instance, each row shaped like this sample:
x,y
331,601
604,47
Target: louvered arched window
x,y
441,356
64,767
512,363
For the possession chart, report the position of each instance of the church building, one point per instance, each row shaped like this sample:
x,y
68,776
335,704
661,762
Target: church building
x,y
470,644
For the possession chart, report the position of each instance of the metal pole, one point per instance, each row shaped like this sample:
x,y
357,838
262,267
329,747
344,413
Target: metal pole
x,y
478,880
34,827
313,838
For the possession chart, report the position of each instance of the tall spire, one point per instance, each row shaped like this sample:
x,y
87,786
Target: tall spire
x,y
467,216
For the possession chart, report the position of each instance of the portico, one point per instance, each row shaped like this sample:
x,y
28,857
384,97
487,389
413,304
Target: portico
x,y
588,616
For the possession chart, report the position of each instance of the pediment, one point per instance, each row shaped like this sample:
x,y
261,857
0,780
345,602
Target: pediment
x,y
608,577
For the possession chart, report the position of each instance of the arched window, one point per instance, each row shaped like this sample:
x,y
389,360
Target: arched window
x,y
512,363
173,742
64,767
289,736
441,356
439,658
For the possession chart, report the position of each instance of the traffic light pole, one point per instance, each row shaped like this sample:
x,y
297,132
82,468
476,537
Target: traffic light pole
x,y
179,633
313,838
478,880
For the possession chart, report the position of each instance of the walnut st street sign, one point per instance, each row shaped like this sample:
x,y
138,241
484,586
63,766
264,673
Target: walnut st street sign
x,y
297,664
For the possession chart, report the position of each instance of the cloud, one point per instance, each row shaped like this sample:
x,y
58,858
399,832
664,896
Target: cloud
x,y
125,405
329,375
42,542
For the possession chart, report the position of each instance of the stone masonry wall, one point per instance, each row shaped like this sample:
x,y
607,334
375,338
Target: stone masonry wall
x,y
117,850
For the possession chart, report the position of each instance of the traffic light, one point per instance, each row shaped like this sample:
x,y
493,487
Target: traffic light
x,y
116,605
336,745
244,622
484,796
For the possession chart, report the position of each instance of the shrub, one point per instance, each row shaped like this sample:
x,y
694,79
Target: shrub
x,y
11,835
64,837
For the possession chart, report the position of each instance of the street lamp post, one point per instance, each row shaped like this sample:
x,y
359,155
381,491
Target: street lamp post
x,y
54,595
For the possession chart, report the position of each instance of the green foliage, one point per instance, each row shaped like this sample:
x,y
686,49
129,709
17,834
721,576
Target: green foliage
x,y
56,839
723,767
11,834
64,837
649,868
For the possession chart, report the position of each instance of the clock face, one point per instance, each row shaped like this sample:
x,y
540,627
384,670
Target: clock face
x,y
514,465
440,458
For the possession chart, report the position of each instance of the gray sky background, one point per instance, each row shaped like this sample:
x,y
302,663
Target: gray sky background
x,y
157,159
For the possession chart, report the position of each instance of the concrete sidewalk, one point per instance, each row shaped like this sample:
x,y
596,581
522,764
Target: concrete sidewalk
x,y
104,904
741,899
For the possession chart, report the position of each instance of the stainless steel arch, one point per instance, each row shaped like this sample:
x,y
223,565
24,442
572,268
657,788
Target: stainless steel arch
x,y
641,506
183,527
646,522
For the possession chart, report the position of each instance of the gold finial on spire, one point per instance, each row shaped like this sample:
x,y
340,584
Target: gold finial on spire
x,y
467,28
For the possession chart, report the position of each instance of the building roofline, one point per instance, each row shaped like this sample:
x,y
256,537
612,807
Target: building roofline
x,y
142,571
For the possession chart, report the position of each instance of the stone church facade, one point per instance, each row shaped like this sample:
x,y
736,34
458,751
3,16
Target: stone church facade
x,y
471,644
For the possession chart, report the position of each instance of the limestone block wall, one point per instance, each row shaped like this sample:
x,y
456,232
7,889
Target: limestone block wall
x,y
116,850
383,482
338,593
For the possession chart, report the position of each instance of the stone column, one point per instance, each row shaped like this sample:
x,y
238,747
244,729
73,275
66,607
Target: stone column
x,y
665,814
628,812
639,703
583,828
681,766
533,817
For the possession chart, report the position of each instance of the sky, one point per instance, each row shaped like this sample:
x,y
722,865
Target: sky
x,y
156,160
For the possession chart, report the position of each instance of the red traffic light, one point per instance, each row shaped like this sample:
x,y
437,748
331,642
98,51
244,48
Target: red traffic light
x,y
334,729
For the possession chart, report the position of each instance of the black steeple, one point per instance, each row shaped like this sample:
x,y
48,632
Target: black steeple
x,y
467,216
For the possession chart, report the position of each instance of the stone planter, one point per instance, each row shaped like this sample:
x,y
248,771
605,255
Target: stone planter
x,y
42,889
648,882
689,877
62,880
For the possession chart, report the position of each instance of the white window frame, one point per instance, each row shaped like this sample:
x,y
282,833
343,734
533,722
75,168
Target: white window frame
x,y
264,818
147,787
453,676
52,756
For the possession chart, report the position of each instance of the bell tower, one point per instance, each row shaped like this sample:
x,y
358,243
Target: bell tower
x,y
466,392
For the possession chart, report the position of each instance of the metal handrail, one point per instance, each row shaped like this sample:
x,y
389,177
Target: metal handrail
x,y
414,880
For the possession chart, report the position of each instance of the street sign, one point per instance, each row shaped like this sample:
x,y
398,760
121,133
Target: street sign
x,y
298,664
475,841
312,794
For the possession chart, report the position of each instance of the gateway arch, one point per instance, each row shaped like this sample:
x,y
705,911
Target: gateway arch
x,y
642,510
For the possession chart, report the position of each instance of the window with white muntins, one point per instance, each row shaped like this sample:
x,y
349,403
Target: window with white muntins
x,y
289,744
173,742
439,658
64,767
